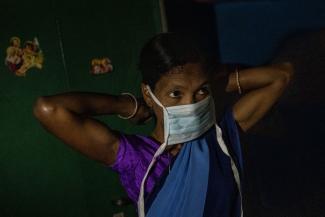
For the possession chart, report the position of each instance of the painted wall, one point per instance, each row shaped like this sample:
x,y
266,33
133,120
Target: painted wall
x,y
39,175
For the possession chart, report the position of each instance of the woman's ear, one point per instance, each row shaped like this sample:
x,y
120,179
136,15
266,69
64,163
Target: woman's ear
x,y
146,95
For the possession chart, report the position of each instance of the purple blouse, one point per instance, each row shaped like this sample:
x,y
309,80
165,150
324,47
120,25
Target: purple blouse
x,y
133,158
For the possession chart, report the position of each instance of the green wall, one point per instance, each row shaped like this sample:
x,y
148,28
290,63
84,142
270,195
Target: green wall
x,y
39,175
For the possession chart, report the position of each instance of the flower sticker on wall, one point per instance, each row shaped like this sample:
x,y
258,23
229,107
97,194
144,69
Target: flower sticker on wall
x,y
20,60
101,66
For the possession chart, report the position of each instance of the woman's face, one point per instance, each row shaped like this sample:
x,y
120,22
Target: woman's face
x,y
182,85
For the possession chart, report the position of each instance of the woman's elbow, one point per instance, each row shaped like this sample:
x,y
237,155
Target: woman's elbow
x,y
286,72
43,108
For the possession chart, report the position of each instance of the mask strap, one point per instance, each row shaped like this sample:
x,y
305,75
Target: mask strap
x,y
154,97
141,207
166,125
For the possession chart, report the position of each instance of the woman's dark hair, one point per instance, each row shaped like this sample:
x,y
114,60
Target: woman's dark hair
x,y
164,52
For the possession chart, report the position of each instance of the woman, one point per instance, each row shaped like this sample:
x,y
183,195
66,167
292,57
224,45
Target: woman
x,y
201,178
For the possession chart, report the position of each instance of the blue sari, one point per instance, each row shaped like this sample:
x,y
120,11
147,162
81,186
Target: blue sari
x,y
202,181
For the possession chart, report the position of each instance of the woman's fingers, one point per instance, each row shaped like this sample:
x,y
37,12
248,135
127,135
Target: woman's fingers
x,y
143,114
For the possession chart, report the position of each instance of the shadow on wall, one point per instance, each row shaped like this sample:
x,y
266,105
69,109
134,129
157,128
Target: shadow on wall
x,y
285,151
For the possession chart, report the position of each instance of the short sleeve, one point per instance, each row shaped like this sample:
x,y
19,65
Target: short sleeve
x,y
134,155
126,154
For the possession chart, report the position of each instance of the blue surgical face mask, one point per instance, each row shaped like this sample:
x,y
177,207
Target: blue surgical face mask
x,y
184,123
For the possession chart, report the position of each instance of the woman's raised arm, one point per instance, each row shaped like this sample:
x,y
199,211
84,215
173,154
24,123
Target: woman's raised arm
x,y
68,117
262,87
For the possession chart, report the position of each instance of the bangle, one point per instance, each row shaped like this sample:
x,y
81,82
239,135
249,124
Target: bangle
x,y
135,109
237,80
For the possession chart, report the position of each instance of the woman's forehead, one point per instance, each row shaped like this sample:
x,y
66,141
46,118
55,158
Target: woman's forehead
x,y
188,75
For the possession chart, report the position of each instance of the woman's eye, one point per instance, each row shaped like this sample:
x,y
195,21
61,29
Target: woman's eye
x,y
203,91
175,94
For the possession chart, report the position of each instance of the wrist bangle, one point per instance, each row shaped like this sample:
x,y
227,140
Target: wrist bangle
x,y
237,81
135,109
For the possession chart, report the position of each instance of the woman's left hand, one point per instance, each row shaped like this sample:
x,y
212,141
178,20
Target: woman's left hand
x,y
264,84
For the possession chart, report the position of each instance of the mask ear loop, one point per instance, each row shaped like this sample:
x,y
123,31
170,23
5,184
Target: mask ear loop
x,y
141,207
154,97
166,123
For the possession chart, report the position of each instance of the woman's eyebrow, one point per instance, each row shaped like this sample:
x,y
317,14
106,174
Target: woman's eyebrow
x,y
179,85
175,84
175,87
205,83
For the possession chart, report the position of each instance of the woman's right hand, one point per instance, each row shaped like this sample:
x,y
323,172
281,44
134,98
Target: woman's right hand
x,y
143,114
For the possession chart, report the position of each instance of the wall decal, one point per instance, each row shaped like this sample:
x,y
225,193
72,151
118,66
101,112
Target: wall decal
x,y
20,60
101,66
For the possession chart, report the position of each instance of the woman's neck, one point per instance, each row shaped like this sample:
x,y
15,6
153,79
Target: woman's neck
x,y
158,135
